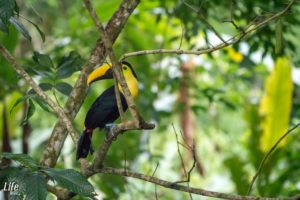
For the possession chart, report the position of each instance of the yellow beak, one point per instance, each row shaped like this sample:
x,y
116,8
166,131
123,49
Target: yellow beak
x,y
103,72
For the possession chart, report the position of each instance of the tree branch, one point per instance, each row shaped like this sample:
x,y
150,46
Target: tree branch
x,y
138,122
261,165
175,186
238,37
204,20
56,108
78,94
107,44
116,65
102,151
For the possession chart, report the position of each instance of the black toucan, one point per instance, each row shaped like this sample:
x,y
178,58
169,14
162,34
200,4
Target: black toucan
x,y
105,109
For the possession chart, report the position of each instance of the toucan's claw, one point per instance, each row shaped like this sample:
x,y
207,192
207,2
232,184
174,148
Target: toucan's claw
x,y
108,129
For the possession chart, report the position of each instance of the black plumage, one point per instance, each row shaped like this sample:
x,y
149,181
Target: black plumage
x,y
104,110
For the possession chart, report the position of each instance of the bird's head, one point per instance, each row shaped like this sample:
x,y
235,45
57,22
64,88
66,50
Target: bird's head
x,y
105,72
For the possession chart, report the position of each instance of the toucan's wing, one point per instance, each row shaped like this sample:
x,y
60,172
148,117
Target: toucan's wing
x,y
104,110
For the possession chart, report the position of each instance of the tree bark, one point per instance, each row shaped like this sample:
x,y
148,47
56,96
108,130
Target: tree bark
x,y
187,118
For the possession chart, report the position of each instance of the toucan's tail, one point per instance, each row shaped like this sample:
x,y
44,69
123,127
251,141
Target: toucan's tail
x,y
84,144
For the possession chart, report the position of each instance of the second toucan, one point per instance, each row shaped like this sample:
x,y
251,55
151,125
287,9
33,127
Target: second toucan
x,y
104,110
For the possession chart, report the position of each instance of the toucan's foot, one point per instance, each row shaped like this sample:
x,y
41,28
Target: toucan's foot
x,y
108,128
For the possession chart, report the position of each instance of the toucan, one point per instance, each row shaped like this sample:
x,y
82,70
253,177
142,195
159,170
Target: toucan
x,y
104,110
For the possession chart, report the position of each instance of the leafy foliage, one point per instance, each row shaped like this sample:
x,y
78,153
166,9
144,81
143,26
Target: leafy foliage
x,y
23,159
31,172
7,9
225,89
36,187
72,180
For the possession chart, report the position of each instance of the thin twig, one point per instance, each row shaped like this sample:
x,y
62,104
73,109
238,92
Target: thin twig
x,y
261,165
155,186
193,190
179,153
237,38
187,181
204,20
182,34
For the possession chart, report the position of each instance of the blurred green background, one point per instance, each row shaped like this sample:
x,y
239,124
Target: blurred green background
x,y
233,103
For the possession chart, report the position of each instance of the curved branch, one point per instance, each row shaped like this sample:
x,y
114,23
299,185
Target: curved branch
x,y
175,186
78,94
138,122
262,163
238,37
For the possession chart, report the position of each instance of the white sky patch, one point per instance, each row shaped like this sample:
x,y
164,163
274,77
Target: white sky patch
x,y
296,75
174,71
197,59
244,48
164,102
298,185
63,41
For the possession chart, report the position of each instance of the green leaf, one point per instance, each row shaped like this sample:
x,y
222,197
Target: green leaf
x,y
238,173
3,27
43,60
37,28
275,106
23,159
18,176
30,111
20,27
69,64
42,34
9,40
6,173
42,104
71,180
7,8
64,88
18,101
36,186
43,86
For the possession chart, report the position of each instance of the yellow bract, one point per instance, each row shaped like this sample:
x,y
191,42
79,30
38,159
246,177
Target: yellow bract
x,y
275,106
234,55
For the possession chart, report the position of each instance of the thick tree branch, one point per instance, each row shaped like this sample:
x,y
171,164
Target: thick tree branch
x,y
138,122
56,108
107,44
237,38
78,94
116,65
102,151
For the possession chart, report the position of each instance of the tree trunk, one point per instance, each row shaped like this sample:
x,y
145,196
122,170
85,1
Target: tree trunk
x,y
187,118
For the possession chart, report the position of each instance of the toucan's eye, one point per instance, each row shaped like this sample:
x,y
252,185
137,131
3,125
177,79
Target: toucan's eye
x,y
125,68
